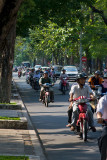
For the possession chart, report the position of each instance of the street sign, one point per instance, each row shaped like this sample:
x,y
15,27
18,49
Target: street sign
x,y
84,59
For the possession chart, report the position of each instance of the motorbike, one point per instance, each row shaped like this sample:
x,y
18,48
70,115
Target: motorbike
x,y
27,78
97,96
95,91
30,80
35,83
82,126
53,78
64,85
19,74
46,97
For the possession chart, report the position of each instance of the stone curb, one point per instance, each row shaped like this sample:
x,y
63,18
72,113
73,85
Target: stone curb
x,y
10,106
14,124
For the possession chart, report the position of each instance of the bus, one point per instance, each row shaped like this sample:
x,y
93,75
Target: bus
x,y
26,64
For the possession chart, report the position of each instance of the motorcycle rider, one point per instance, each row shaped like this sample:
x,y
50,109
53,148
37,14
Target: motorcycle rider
x,y
103,86
63,75
31,75
102,115
20,72
36,74
77,90
43,80
95,80
52,74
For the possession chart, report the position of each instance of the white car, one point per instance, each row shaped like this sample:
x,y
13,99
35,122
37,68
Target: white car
x,y
72,72
37,67
45,68
57,69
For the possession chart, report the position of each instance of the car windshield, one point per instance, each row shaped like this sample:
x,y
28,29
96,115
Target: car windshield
x,y
57,69
73,69
38,66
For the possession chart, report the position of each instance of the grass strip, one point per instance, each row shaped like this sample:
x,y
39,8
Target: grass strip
x,y
9,118
14,158
12,103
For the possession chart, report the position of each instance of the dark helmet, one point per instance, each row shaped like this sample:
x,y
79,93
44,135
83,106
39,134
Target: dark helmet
x,y
37,71
105,75
81,75
45,72
97,72
63,69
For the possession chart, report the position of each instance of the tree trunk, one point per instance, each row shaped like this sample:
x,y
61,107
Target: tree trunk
x,y
7,65
8,14
72,59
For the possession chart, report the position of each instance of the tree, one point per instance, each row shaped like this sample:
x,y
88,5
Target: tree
x,y
8,15
36,12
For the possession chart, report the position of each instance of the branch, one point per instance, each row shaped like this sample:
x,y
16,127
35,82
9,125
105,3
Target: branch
x,y
100,12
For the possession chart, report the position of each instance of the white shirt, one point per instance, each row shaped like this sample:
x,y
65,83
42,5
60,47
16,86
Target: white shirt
x,y
102,106
77,91
36,75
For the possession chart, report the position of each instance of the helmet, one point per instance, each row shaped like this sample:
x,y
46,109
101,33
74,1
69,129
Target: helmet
x,y
37,71
97,72
81,75
105,75
63,69
45,72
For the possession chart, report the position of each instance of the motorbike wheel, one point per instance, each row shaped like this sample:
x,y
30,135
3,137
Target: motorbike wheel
x,y
81,129
85,130
46,101
63,90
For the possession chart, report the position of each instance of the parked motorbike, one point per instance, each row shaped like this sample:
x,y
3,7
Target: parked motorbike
x,y
46,97
82,126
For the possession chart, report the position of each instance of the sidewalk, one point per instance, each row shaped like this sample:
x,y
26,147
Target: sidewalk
x,y
20,142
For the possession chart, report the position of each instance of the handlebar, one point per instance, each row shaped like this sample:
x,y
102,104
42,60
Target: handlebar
x,y
82,99
46,85
104,94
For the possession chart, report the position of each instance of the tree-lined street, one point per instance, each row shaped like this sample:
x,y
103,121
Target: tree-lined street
x,y
59,142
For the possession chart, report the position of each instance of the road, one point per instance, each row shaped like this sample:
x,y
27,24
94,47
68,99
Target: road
x,y
59,142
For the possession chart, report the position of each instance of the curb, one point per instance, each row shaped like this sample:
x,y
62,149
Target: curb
x,y
14,124
37,144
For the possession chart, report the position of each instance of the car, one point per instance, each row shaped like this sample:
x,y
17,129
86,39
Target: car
x,y
45,68
37,67
72,72
57,69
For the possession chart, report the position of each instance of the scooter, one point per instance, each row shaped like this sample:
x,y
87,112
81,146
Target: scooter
x,y
82,126
19,74
46,97
97,96
35,84
64,85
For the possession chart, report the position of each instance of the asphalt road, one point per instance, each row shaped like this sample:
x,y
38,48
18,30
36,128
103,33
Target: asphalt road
x,y
59,142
